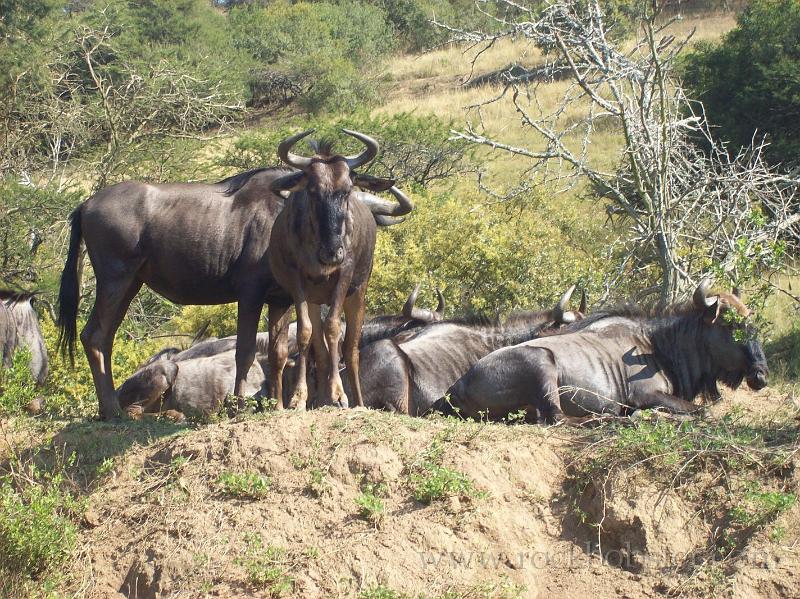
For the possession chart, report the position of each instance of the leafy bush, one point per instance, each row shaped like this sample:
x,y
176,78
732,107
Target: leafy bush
x,y
37,532
16,385
748,83
325,49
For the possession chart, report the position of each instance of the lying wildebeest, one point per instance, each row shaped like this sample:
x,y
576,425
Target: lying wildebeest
x,y
321,252
193,385
19,328
411,319
408,376
192,243
616,363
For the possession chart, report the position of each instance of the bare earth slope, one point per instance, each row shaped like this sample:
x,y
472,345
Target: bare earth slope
x,y
507,524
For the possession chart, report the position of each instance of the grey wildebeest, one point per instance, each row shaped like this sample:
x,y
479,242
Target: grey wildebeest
x,y
411,319
192,243
19,328
408,375
190,385
615,363
321,252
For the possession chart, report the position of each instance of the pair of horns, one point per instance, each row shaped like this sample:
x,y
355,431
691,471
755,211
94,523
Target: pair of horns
x,y
303,162
410,311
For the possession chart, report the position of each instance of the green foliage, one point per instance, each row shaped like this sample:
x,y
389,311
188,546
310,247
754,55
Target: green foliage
x,y
246,485
326,48
221,320
783,355
749,83
37,532
266,567
430,481
16,386
371,506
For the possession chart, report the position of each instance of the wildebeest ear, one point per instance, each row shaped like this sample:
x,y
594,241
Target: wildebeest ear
x,y
371,183
291,182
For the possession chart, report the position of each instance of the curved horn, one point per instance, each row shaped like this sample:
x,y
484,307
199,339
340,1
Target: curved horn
x,y
582,307
439,312
560,308
380,207
294,160
408,307
367,155
387,221
700,297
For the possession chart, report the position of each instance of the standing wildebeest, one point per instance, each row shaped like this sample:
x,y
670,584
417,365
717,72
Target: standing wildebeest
x,y
192,243
617,363
321,252
19,327
408,376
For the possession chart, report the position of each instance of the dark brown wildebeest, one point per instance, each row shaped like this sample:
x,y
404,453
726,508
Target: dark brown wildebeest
x,y
408,375
616,363
321,252
19,328
192,243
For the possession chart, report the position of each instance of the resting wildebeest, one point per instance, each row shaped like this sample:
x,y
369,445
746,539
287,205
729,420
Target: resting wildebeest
x,y
616,363
19,327
193,385
411,319
321,252
192,243
409,375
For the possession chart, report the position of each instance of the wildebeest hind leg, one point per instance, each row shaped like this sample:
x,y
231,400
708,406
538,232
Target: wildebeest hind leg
x,y
111,302
277,351
249,313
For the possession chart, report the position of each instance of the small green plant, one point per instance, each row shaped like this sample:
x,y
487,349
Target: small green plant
x,y
317,483
371,506
268,566
435,482
380,591
246,485
761,507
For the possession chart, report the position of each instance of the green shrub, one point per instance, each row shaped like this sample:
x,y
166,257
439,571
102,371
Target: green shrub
x,y
371,506
37,531
749,83
16,385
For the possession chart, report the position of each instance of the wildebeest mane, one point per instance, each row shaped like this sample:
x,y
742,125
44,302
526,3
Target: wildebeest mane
x,y
16,295
235,182
322,147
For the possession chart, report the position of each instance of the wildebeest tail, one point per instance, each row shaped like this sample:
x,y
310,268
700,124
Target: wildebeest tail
x,y
69,291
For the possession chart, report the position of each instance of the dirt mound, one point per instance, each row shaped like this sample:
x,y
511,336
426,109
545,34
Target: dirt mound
x,y
355,503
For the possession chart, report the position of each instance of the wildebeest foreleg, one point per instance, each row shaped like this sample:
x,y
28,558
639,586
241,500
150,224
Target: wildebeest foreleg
x,y
354,316
321,358
334,391
670,403
300,395
278,350
112,301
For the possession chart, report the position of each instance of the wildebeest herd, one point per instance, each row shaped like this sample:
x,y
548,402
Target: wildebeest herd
x,y
305,237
